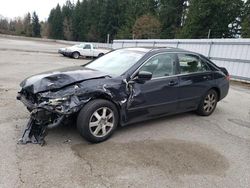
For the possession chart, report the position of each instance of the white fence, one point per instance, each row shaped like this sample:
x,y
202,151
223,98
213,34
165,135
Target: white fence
x,y
234,54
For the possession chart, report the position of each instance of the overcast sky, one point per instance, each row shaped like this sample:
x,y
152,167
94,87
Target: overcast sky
x,y
15,8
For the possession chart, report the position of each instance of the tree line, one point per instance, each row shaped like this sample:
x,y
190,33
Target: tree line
x,y
29,26
93,20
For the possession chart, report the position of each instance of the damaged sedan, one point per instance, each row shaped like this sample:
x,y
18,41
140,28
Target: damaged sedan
x,y
122,87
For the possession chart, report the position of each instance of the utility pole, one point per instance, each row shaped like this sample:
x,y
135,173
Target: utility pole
x,y
209,32
108,38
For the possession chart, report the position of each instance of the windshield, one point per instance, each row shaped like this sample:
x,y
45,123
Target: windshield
x,y
117,62
80,45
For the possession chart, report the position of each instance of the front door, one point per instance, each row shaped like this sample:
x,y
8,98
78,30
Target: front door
x,y
86,51
158,96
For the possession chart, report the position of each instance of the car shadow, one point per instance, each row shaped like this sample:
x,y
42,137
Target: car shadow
x,y
81,57
68,132
171,155
153,122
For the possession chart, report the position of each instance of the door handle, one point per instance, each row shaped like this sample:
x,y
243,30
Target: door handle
x,y
172,83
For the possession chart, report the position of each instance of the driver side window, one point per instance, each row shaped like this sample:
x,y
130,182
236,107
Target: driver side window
x,y
87,46
160,65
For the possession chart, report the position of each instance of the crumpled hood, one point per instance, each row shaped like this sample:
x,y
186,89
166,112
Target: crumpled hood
x,y
59,78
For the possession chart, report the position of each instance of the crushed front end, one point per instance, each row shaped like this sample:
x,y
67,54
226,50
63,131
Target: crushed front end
x,y
54,96
47,110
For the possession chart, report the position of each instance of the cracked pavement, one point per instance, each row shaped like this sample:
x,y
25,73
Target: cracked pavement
x,y
183,150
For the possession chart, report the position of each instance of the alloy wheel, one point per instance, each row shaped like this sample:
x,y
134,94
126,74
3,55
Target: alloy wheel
x,y
101,122
209,102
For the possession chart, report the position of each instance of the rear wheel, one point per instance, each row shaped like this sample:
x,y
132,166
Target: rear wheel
x,y
76,55
100,55
208,103
97,120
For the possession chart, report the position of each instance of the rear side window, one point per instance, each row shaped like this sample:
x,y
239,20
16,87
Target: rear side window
x,y
209,63
191,63
160,65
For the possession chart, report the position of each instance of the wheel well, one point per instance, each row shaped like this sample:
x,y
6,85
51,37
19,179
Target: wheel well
x,y
76,52
217,91
104,97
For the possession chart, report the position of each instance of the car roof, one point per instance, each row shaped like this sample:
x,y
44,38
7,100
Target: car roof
x,y
158,49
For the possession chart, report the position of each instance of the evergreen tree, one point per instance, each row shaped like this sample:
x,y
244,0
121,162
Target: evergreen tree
x,y
67,13
76,20
36,27
132,11
171,14
27,25
55,22
214,15
90,26
92,20
113,18
246,20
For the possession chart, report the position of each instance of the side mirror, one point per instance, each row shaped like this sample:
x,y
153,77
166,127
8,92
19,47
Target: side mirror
x,y
143,76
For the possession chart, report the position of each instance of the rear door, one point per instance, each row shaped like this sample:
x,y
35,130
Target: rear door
x,y
195,79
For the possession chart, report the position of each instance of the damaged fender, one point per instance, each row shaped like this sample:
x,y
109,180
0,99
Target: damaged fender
x,y
50,108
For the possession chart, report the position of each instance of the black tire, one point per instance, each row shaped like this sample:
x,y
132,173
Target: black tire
x,y
208,103
87,114
100,55
76,55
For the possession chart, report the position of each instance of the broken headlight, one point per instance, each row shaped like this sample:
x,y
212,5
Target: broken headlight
x,y
58,101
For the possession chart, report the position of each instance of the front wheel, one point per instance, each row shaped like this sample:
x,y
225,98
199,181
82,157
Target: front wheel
x,y
208,103
97,120
76,55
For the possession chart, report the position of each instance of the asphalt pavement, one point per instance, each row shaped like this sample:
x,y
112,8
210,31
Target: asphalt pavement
x,y
183,150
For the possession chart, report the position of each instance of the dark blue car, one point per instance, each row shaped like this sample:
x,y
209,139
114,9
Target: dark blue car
x,y
122,87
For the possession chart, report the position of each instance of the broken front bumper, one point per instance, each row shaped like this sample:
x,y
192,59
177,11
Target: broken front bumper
x,y
45,115
39,121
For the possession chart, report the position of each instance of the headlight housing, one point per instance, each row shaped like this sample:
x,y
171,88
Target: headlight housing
x,y
58,101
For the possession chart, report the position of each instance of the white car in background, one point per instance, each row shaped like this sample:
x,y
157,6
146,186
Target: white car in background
x,y
83,49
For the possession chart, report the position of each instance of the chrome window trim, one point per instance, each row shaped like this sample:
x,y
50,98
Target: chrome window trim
x,y
162,77
176,75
